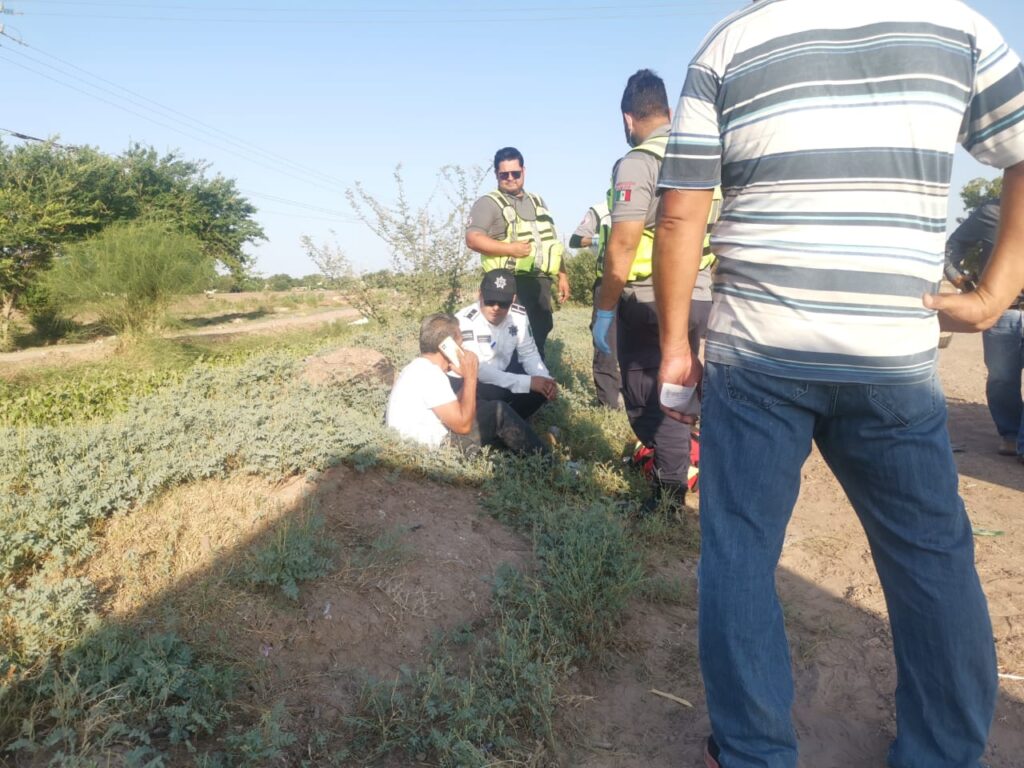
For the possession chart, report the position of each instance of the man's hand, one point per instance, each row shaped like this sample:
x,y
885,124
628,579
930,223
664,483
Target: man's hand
x,y
520,250
964,312
603,320
469,364
563,287
684,370
544,386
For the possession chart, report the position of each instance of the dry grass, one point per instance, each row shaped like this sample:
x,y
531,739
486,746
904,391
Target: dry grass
x,y
187,537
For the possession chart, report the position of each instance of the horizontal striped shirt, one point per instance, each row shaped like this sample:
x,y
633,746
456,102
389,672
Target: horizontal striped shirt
x,y
831,127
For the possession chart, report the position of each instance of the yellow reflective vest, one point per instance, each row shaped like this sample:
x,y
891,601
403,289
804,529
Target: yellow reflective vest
x,y
643,262
546,257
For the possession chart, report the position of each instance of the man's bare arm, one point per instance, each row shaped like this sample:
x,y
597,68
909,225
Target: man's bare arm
x,y
678,246
459,414
481,242
1003,278
618,260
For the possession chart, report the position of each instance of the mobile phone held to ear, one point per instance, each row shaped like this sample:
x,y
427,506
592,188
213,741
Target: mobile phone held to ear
x,y
450,350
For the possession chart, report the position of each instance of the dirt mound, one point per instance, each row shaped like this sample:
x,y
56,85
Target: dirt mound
x,y
345,364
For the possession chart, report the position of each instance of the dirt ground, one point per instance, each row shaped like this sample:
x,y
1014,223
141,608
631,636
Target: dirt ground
x,y
835,611
67,354
443,551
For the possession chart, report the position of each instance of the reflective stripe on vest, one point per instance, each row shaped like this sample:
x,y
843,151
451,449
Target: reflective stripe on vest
x,y
546,256
707,257
600,238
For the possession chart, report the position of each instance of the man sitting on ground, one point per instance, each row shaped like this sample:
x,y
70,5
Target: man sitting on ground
x,y
498,331
423,407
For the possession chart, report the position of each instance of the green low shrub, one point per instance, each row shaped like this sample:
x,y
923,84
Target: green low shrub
x,y
115,688
46,617
296,552
129,272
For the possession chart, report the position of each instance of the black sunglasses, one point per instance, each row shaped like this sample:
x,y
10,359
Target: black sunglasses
x,y
498,304
506,175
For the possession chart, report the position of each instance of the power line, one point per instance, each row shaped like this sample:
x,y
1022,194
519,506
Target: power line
x,y
245,149
319,209
206,8
25,137
242,155
426,16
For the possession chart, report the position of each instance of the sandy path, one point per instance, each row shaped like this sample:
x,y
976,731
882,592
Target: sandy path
x,y
64,354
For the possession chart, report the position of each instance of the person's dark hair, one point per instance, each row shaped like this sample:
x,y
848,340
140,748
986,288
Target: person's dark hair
x,y
508,153
434,329
645,96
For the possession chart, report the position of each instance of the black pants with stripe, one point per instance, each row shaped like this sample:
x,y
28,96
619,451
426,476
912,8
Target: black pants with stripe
x,y
639,360
607,380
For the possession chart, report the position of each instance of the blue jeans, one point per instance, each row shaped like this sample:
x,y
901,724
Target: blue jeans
x,y
1004,358
888,447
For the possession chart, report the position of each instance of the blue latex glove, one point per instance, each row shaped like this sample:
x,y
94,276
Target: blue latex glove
x,y
602,322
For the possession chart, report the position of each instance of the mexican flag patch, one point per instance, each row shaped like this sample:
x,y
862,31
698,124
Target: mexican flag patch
x,y
623,193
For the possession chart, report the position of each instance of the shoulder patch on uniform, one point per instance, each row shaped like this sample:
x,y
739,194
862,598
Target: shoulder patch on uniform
x,y
512,330
484,338
472,313
519,309
467,335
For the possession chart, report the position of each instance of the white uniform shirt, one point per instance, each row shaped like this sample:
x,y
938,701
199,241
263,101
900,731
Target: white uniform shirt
x,y
495,345
420,387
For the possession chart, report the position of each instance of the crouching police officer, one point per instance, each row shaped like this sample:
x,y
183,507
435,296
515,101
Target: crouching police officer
x,y
498,332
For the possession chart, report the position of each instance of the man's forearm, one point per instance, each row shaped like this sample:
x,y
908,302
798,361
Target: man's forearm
x,y
1003,277
467,405
620,252
613,280
678,246
483,243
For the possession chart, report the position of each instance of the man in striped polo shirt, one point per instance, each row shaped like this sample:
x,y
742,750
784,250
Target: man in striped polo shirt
x,y
831,128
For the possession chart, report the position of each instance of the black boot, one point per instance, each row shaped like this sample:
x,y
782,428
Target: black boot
x,y
666,497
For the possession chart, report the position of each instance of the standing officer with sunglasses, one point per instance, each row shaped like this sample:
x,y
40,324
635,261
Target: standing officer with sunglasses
x,y
512,229
498,332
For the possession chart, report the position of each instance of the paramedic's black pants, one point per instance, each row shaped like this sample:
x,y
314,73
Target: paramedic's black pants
x,y
639,360
606,367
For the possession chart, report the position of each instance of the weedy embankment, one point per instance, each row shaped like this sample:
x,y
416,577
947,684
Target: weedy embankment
x,y
140,518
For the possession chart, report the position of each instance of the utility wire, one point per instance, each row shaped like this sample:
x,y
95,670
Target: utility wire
x,y
318,209
248,158
25,137
171,114
580,9
335,215
431,17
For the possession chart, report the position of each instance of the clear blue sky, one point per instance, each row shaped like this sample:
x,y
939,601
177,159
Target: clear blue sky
x,y
316,96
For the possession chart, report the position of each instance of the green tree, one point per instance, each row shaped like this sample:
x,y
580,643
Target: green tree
x,y
49,196
171,187
52,196
129,272
976,191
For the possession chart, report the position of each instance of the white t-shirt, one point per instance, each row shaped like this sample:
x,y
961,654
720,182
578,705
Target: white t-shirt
x,y
421,386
